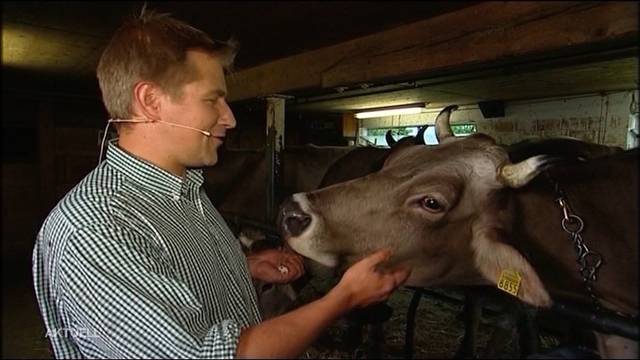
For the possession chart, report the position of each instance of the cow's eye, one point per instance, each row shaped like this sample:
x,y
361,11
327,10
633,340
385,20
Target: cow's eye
x,y
431,204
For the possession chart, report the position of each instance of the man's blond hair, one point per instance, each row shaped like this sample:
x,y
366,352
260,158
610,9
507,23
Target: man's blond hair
x,y
153,47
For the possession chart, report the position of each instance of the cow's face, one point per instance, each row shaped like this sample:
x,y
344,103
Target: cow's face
x,y
443,210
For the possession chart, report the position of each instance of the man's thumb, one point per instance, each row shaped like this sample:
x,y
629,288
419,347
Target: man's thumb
x,y
379,256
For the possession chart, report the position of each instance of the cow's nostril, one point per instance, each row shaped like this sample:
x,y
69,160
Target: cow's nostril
x,y
293,220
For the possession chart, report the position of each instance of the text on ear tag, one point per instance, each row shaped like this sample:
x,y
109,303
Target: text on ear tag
x,y
509,281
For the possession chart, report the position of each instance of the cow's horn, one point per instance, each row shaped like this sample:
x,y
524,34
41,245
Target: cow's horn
x,y
519,174
419,140
390,140
443,128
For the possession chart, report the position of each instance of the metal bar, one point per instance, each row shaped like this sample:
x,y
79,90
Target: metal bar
x,y
471,313
603,321
529,338
411,324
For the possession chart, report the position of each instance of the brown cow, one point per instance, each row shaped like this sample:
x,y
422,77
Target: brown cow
x,y
237,184
461,213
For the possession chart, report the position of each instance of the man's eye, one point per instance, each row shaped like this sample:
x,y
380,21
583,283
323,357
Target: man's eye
x,y
431,204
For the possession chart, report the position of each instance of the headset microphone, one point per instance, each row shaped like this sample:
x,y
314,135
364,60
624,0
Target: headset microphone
x,y
203,132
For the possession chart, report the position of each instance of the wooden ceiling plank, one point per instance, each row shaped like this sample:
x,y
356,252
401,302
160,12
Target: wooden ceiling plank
x,y
486,33
608,75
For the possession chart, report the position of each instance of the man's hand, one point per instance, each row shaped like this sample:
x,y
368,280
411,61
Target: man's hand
x,y
275,266
363,285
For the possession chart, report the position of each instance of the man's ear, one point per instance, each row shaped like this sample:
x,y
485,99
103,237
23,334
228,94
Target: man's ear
x,y
147,100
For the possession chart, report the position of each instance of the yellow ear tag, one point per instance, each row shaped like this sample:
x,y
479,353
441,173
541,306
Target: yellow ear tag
x,y
509,282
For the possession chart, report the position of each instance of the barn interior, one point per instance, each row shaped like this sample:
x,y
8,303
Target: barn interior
x,y
517,70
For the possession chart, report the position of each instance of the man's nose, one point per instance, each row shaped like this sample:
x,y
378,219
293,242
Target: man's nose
x,y
227,119
292,220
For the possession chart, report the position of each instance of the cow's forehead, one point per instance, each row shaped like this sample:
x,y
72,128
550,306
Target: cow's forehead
x,y
474,152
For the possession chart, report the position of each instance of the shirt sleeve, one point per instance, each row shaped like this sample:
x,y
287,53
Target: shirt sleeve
x,y
120,289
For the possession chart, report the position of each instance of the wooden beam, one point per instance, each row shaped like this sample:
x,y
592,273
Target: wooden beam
x,y
476,36
511,83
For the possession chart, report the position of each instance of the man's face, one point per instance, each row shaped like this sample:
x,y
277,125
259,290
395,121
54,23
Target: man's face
x,y
202,106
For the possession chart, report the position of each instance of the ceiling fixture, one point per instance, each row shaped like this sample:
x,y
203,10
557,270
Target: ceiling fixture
x,y
391,110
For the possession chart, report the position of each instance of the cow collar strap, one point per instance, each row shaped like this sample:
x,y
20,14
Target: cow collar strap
x,y
589,260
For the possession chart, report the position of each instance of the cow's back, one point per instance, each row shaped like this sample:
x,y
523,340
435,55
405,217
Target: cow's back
x,y
360,162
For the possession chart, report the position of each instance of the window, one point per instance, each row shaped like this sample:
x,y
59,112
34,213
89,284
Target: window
x,y
376,136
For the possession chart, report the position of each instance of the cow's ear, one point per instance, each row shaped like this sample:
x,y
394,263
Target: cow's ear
x,y
502,264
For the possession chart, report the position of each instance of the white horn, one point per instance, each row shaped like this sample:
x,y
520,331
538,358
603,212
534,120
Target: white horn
x,y
443,127
519,174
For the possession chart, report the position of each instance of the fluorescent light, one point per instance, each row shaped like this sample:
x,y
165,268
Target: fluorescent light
x,y
415,109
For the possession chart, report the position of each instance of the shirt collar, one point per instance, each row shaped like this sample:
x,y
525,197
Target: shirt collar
x,y
151,176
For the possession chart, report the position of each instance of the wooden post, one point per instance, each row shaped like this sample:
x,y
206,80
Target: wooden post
x,y
275,145
350,128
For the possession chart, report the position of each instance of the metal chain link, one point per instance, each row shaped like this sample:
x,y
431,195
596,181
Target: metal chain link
x,y
589,260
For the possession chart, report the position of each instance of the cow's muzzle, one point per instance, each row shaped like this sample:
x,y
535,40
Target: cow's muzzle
x,y
292,220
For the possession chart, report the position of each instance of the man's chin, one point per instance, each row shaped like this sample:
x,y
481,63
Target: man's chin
x,y
206,162
211,162
211,156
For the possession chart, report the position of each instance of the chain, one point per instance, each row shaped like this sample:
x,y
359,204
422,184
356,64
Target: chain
x,y
589,260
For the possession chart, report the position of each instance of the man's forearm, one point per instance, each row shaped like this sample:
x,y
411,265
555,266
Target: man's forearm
x,y
288,335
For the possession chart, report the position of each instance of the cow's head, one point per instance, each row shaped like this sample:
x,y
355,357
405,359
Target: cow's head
x,y
445,210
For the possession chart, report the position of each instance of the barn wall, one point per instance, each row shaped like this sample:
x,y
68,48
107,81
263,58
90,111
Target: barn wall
x,y
20,214
301,128
599,118
49,144
250,131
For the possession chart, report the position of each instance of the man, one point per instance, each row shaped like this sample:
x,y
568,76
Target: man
x,y
135,261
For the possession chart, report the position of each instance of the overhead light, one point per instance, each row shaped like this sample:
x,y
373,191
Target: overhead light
x,y
392,110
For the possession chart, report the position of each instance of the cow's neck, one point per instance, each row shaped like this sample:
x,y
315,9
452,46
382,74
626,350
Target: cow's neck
x,y
539,236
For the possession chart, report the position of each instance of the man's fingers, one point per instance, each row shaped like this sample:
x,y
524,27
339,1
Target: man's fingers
x,y
296,262
294,259
299,269
291,269
292,264
401,275
377,257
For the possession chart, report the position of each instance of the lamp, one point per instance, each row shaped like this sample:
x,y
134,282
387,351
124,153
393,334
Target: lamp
x,y
391,110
